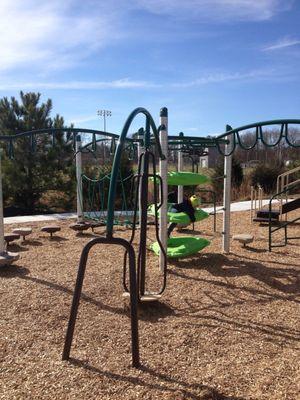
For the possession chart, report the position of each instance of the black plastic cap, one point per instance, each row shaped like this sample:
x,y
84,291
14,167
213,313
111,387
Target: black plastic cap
x,y
163,112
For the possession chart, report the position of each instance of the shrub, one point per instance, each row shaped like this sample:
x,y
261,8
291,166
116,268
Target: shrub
x,y
266,177
237,177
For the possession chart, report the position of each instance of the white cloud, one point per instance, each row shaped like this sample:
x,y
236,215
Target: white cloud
x,y
218,10
40,35
220,77
282,44
81,119
124,83
50,34
127,83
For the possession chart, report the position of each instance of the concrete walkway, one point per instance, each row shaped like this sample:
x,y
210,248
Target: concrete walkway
x,y
239,206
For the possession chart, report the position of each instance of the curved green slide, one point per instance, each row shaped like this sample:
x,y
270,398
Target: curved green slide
x,y
181,218
180,247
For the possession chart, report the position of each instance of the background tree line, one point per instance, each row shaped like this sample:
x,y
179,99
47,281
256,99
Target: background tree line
x,y
39,171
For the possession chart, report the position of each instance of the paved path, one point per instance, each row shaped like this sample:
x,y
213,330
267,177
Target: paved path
x,y
239,206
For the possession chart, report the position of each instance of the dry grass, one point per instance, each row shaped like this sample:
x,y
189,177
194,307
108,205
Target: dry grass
x,y
228,326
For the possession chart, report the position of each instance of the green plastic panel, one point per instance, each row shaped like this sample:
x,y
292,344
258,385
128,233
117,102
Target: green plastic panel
x,y
186,179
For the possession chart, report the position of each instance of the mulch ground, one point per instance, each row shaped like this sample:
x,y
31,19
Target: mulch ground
x,y
227,326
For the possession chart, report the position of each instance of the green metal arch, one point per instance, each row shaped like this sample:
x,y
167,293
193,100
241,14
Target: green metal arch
x,y
57,130
150,124
259,135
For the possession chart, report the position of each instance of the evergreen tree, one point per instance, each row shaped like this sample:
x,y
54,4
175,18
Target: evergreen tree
x,y
41,163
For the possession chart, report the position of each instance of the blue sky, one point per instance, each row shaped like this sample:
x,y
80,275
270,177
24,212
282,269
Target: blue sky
x,y
211,62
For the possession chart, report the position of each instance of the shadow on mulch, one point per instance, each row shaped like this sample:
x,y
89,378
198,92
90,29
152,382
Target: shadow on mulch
x,y
270,261
185,391
154,311
214,315
16,248
295,223
222,266
147,311
12,271
255,250
277,334
85,234
84,297
56,239
34,243
190,232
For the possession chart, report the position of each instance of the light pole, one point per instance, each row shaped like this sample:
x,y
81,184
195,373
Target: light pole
x,y
104,114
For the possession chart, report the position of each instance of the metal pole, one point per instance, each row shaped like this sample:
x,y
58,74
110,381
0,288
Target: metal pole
x,y
163,167
251,204
180,168
104,122
227,193
2,244
142,255
79,179
140,150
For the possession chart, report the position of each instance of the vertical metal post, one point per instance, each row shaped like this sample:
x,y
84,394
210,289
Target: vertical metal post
x,y
251,204
79,179
140,150
2,244
227,192
180,168
163,168
143,223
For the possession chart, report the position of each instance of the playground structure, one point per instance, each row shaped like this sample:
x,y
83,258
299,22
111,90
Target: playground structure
x,y
230,139
137,265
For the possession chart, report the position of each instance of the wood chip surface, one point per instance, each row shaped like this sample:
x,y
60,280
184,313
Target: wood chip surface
x,y
227,326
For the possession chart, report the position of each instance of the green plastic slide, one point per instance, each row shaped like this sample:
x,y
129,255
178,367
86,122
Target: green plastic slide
x,y
181,218
180,247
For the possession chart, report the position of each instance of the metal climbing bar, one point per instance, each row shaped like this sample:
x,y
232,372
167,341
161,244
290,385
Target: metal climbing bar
x,y
133,296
